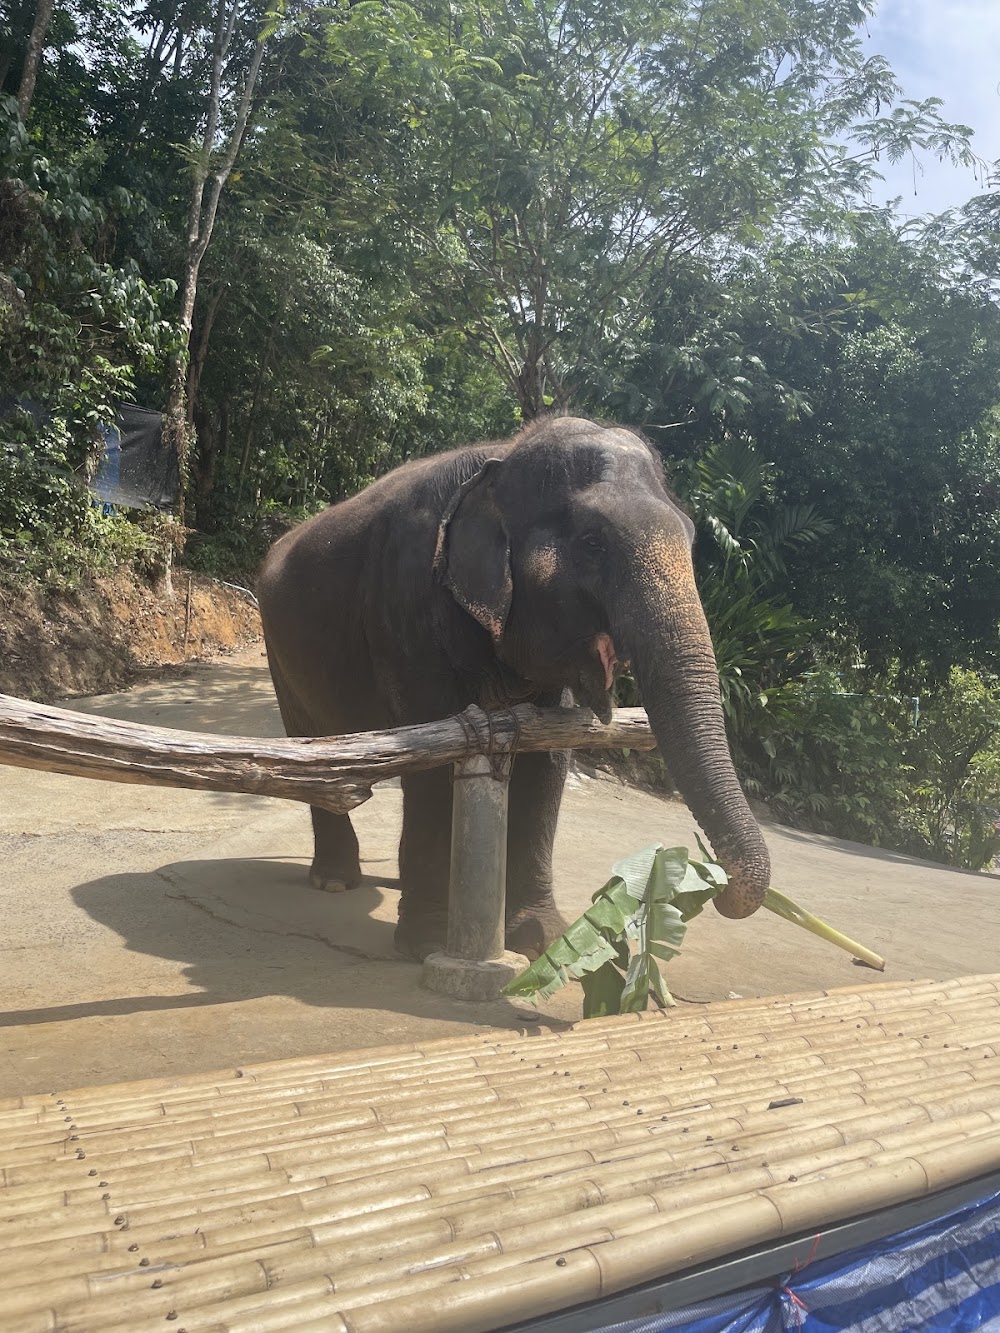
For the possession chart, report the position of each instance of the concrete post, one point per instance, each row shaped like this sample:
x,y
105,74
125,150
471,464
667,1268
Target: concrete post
x,y
476,965
478,861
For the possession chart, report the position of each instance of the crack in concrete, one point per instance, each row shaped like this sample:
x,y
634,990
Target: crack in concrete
x,y
350,950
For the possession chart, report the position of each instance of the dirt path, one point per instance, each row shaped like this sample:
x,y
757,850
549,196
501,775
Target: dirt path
x,y
147,932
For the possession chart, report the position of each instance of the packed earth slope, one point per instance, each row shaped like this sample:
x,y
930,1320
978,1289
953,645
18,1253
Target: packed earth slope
x,y
149,932
108,632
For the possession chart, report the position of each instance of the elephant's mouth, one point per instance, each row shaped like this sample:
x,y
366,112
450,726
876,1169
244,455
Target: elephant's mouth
x,y
597,677
604,647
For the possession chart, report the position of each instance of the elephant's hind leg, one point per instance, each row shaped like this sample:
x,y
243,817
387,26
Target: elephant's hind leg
x,y
424,863
336,861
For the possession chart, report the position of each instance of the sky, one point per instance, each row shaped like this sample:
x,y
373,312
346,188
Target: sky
x,y
948,49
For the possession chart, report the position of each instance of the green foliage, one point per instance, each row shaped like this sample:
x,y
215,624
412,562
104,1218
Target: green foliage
x,y
760,642
897,351
307,370
953,810
233,554
556,165
448,218
830,760
73,333
316,381
638,919
856,763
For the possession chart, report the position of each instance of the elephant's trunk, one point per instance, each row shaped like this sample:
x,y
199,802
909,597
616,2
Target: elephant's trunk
x,y
666,635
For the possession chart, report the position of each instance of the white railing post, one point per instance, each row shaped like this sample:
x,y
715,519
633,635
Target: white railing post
x,y
476,966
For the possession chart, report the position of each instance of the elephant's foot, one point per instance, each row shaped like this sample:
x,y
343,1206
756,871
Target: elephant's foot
x,y
331,880
416,937
528,932
532,929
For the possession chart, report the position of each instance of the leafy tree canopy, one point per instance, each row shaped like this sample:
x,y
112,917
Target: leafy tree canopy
x,y
330,237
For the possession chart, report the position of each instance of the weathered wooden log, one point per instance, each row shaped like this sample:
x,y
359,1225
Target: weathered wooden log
x,y
336,773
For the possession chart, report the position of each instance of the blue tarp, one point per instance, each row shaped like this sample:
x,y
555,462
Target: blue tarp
x,y
136,471
940,1277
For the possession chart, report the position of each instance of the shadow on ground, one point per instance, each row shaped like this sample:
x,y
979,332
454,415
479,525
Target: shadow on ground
x,y
234,700
253,928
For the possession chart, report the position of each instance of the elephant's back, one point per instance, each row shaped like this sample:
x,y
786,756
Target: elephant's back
x,y
362,569
354,535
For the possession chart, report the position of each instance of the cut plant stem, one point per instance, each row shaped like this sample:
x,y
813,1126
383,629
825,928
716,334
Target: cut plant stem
x,y
782,906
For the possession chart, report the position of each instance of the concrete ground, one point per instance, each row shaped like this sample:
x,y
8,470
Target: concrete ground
x,y
147,931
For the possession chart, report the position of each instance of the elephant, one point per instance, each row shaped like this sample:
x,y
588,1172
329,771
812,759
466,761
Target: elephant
x,y
508,571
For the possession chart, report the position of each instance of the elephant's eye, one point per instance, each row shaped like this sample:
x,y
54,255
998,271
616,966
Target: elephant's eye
x,y
592,543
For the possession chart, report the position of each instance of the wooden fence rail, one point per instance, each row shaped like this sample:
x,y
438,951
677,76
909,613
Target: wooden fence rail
x,y
338,773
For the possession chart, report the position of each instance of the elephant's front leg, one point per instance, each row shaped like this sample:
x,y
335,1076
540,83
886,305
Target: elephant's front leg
x,y
536,787
424,863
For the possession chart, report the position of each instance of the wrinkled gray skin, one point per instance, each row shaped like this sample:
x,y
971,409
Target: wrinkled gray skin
x,y
509,571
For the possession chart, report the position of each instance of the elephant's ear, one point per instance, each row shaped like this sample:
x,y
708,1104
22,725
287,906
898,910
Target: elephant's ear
x,y
472,557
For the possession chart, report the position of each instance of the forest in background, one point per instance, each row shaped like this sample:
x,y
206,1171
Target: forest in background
x,y
327,238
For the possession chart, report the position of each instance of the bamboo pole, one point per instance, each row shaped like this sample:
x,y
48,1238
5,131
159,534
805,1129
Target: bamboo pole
x,y
675,1058
309,1152
407,1119
756,1014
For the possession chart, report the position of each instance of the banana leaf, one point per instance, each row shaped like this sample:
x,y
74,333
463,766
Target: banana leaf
x,y
585,946
647,903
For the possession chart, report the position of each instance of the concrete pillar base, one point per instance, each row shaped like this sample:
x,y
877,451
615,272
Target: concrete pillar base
x,y
466,979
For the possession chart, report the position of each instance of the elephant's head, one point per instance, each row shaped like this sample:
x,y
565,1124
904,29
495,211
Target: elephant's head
x,y
570,552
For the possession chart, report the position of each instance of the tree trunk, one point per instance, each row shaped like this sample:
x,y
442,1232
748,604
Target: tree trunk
x,y
204,470
526,397
252,418
204,432
154,63
206,190
197,366
33,57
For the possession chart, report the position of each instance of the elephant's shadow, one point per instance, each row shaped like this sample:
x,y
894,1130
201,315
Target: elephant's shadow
x,y
250,928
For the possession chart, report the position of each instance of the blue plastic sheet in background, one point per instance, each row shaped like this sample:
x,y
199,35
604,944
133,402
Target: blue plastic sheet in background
x,y
136,471
941,1277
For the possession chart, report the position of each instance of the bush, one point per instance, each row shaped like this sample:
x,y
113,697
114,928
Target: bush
x,y
953,807
744,535
860,766
828,760
73,333
235,554
64,536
